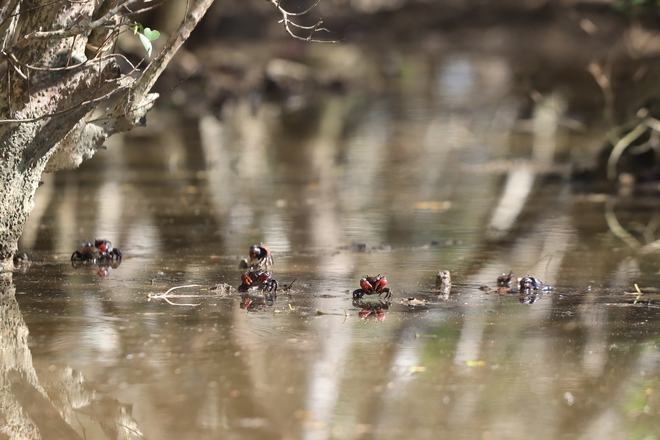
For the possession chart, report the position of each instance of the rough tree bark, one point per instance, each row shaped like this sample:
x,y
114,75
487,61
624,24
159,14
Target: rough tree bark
x,y
51,86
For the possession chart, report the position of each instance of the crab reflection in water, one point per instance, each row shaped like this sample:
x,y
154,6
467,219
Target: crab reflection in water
x,y
372,310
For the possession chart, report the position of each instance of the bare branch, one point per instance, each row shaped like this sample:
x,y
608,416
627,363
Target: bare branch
x,y
12,58
78,28
293,14
289,24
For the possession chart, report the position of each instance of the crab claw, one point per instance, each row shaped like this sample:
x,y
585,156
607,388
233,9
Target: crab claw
x,y
366,285
263,277
380,283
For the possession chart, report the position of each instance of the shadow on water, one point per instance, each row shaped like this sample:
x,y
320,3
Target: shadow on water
x,y
404,184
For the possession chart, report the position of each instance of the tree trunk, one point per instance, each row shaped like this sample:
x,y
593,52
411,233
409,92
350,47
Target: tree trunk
x,y
50,89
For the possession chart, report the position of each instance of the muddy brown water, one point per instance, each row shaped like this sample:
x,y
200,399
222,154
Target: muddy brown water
x,y
427,184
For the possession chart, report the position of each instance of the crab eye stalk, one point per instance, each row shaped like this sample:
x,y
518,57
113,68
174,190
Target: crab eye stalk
x,y
255,252
380,284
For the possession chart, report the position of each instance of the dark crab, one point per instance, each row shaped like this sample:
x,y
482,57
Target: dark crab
x,y
88,253
260,257
530,284
101,266
106,250
505,280
373,284
530,298
101,250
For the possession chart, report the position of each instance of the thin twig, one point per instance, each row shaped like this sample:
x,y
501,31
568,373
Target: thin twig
x,y
13,60
603,80
287,289
321,313
166,295
288,24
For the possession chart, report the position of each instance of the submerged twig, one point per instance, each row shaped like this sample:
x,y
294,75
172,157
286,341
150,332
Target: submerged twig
x,y
166,296
286,288
639,292
602,78
621,145
616,228
345,314
320,313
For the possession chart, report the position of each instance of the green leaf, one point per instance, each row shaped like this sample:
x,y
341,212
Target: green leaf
x,y
146,43
151,35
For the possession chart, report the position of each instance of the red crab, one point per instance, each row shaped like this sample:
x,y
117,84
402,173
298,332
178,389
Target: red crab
x,y
262,278
373,284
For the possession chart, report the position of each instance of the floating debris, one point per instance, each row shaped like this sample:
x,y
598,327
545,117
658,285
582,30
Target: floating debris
x,y
222,289
433,206
412,301
443,278
443,283
366,248
475,363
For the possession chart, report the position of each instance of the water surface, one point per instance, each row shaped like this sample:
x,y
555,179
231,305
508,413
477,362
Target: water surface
x,y
404,184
